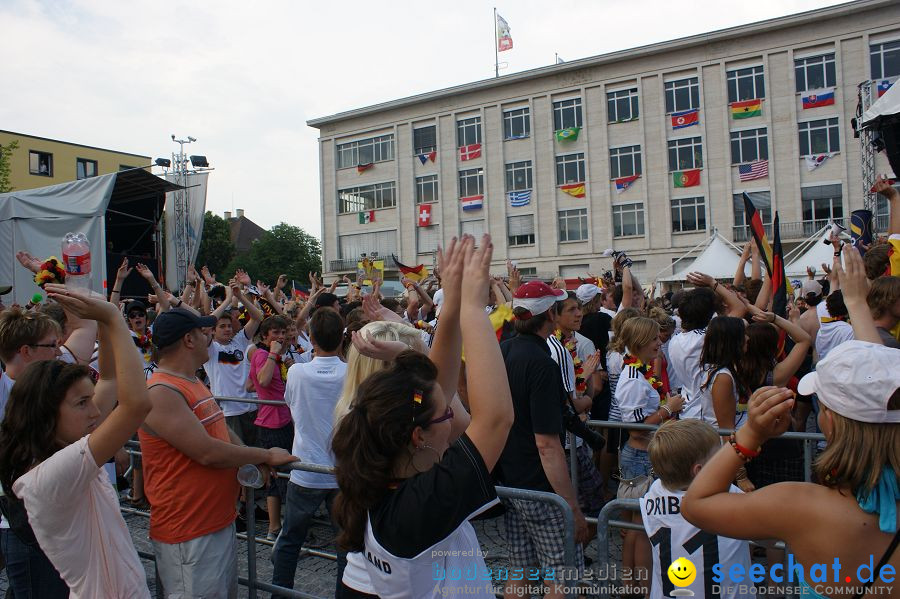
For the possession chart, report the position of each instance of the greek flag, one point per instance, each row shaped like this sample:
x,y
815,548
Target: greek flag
x,y
518,199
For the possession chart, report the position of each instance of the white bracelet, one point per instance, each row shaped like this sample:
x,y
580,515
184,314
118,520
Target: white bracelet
x,y
666,408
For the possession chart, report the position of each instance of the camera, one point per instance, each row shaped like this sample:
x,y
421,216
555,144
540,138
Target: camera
x,y
576,426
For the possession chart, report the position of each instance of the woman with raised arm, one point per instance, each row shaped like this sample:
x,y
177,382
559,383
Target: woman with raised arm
x,y
401,478
59,431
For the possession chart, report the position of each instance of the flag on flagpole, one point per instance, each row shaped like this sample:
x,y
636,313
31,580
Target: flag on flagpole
x,y
367,217
686,118
689,178
423,218
746,109
413,273
753,170
623,183
576,190
472,202
361,168
754,221
517,199
469,152
780,283
568,134
504,38
818,97
813,161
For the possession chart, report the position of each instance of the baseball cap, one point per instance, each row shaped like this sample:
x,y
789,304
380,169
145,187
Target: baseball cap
x,y
810,286
586,292
172,325
857,381
135,305
537,297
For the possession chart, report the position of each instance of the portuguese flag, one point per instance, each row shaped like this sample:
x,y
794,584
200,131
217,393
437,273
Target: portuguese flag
x,y
686,178
746,109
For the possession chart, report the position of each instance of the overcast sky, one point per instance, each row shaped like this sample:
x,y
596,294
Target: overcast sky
x,y
244,77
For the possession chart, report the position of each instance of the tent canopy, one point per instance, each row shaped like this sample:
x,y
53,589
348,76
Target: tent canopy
x,y
815,255
119,208
886,106
718,259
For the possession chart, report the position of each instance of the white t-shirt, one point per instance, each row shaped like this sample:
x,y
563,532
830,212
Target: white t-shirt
x,y
672,537
684,358
614,365
636,397
311,392
227,369
75,515
563,359
611,314
584,347
707,409
68,357
831,334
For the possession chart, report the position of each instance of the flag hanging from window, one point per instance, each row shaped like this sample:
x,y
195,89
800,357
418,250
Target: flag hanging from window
x,y
504,38
423,218
753,170
517,199
818,97
813,161
754,221
686,178
361,168
427,156
469,152
685,118
883,86
576,190
413,273
746,109
623,183
472,202
568,134
367,217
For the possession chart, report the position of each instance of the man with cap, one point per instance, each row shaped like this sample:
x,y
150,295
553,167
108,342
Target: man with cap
x,y
533,457
136,317
190,465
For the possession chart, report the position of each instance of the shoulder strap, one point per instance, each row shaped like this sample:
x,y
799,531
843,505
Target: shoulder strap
x,y
144,426
884,559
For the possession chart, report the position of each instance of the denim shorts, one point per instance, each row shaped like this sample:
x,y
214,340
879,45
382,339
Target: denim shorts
x,y
634,462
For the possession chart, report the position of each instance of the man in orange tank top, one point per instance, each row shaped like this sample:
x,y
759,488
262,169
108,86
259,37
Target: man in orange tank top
x,y
190,465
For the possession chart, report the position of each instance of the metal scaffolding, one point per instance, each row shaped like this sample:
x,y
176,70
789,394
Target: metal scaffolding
x,y
867,151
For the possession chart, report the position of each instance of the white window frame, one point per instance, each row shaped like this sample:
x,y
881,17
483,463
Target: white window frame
x,y
806,63
567,113
527,224
348,153
614,97
425,149
681,205
82,164
425,182
385,196
623,155
573,225
732,75
832,133
692,145
430,236
565,162
618,210
475,228
831,210
742,135
510,116
34,163
670,87
737,200
881,52
370,241
468,131
468,177
516,170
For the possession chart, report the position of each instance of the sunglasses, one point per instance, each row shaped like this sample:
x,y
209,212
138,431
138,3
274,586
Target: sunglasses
x,y
137,315
448,415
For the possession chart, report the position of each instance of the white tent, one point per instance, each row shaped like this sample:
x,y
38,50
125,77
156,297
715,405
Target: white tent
x,y
719,259
815,255
887,105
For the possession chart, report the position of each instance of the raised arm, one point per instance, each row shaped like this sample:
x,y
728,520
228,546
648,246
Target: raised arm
x,y
154,285
785,369
627,287
121,274
253,311
739,275
733,304
887,190
852,277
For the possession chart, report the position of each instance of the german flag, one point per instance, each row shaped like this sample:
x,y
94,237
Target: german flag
x,y
754,221
413,273
780,285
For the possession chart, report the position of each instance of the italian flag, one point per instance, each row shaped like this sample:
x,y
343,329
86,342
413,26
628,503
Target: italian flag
x,y
367,217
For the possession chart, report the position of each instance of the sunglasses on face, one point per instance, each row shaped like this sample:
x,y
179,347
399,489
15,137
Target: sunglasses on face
x,y
137,315
448,415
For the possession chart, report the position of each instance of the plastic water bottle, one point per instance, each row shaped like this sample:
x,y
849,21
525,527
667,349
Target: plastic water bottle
x,y
76,255
250,476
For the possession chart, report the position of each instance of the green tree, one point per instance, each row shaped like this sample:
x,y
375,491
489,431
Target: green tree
x,y
284,249
216,248
5,156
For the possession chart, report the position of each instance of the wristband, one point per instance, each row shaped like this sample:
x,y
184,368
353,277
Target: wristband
x,y
774,316
178,305
666,408
116,290
716,286
272,357
745,454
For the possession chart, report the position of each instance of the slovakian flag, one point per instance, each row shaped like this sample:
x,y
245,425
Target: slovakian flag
x,y
883,86
367,217
472,202
685,118
689,178
753,219
427,156
818,97
470,152
361,168
623,183
413,273
576,190
423,218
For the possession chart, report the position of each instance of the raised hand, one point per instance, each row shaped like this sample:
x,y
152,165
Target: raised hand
x,y
450,260
242,277
852,278
28,261
698,279
884,187
210,279
769,414
476,280
281,282
83,305
379,350
811,272
145,272
590,365
123,271
515,277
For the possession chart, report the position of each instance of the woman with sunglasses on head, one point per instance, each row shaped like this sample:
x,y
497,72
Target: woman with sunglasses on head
x,y
59,431
399,472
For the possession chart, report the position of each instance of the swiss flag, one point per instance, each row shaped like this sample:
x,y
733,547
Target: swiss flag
x,y
424,218
469,152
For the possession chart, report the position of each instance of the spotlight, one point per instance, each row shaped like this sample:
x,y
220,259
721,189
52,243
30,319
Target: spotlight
x,y
173,137
191,138
199,162
163,162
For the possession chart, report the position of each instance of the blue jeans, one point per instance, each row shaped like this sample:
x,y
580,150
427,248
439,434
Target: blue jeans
x,y
634,462
30,573
299,509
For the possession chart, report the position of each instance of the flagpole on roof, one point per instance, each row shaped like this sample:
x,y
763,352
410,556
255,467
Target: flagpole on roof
x,y
496,45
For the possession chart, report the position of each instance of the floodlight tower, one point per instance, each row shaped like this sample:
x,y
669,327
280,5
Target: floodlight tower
x,y
867,152
182,239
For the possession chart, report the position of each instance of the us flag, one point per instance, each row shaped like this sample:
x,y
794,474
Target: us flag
x,y
754,170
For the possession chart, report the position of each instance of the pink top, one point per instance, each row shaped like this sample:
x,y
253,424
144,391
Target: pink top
x,y
75,516
269,416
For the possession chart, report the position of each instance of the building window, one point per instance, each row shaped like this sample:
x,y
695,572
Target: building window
x,y
622,105
520,230
885,59
686,153
366,151
746,84
821,205
628,220
424,139
688,214
367,197
683,94
518,176
819,137
426,189
382,242
471,182
573,225
762,200
428,239
85,168
475,228
567,113
517,123
814,72
468,131
40,163
749,145
573,271
625,161
570,168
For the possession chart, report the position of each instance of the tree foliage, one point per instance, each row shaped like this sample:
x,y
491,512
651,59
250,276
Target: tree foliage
x,y
5,157
284,249
216,248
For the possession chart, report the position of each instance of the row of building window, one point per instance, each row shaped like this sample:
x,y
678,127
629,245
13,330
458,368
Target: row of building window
x,y
41,164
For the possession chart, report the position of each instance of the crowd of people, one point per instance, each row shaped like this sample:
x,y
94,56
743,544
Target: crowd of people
x,y
420,406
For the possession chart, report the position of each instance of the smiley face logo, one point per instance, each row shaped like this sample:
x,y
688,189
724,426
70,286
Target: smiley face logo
x,y
682,572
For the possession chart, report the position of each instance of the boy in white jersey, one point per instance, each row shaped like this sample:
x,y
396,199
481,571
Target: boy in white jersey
x,y
678,451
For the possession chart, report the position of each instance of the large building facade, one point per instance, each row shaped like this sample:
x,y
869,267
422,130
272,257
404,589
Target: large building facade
x,y
39,161
646,150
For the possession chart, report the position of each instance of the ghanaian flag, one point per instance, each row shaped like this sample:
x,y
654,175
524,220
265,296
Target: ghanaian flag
x,y
413,273
746,109
753,219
